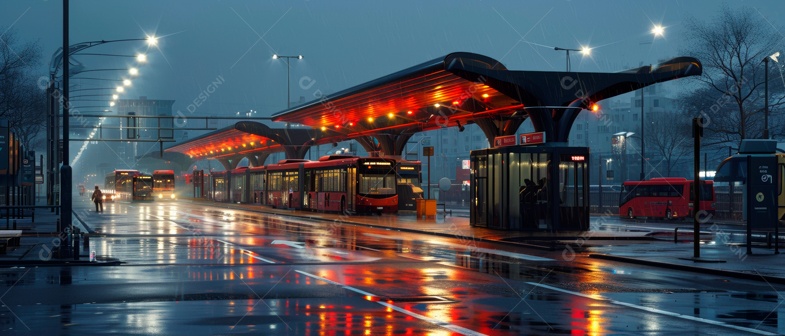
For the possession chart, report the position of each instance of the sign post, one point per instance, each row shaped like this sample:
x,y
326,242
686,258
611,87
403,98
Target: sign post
x,y
428,151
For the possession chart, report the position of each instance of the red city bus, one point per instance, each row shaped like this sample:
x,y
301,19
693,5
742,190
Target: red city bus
x,y
163,185
664,197
118,184
338,183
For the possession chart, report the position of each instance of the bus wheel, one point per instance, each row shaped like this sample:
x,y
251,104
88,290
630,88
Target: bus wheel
x,y
629,213
668,214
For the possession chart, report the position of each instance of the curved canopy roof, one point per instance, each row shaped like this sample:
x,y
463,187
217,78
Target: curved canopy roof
x,y
227,142
428,95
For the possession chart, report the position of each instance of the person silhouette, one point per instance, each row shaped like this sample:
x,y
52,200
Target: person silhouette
x,y
98,199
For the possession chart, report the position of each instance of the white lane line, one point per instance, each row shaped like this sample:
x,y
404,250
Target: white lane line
x,y
246,252
448,326
654,310
445,325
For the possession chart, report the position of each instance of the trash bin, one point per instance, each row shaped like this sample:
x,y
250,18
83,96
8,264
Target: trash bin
x,y
430,208
419,204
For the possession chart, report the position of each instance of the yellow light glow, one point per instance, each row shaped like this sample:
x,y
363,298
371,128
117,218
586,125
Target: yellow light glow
x,y
370,119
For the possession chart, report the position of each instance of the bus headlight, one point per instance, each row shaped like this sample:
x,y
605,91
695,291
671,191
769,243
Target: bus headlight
x,y
172,196
160,195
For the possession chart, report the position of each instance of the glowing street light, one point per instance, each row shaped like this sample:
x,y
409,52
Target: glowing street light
x,y
287,58
152,40
658,31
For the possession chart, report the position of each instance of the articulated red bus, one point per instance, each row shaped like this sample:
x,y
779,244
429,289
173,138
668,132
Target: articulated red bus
x,y
337,183
665,197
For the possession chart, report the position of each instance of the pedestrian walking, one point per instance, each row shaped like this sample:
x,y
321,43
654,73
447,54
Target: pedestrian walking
x,y
98,199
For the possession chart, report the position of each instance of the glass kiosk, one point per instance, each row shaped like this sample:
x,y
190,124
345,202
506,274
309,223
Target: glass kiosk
x,y
511,188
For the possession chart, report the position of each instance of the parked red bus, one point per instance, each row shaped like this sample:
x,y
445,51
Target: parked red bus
x,y
665,197
338,183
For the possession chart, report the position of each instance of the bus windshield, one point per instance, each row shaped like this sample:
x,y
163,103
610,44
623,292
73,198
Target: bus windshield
x,y
377,184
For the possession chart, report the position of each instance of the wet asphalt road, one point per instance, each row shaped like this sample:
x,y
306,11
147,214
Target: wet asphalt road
x,y
202,269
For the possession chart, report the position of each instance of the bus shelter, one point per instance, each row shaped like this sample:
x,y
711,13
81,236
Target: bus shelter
x,y
530,188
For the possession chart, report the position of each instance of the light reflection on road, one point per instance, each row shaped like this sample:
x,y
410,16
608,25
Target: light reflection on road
x,y
200,269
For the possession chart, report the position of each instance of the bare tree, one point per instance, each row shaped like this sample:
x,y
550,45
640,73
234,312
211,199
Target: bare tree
x,y
22,102
731,49
669,137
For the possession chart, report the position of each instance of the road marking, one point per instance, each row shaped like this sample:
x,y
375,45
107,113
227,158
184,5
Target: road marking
x,y
448,326
244,251
653,310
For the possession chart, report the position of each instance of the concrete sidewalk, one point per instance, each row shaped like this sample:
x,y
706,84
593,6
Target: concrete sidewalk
x,y
651,244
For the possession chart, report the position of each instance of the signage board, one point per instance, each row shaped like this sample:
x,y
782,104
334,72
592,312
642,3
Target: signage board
x,y
762,192
28,172
4,150
427,151
532,138
505,140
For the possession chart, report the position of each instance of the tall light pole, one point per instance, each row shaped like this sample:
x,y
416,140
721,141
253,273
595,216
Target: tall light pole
x,y
287,58
766,94
583,50
643,142
61,58
657,31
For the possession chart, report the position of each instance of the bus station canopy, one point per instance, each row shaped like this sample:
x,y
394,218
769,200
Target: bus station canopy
x,y
246,139
463,88
438,93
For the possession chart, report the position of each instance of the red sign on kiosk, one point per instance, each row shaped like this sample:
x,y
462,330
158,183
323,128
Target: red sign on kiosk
x,y
532,138
502,141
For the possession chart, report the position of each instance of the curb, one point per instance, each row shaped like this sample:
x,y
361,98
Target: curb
x,y
53,263
696,269
565,240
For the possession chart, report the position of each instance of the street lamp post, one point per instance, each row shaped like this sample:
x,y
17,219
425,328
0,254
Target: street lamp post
x,y
583,50
61,58
766,92
643,143
276,56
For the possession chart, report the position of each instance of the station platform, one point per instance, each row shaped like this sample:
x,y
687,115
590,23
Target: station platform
x,y
723,251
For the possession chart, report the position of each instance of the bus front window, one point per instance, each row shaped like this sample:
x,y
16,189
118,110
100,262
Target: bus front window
x,y
377,184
